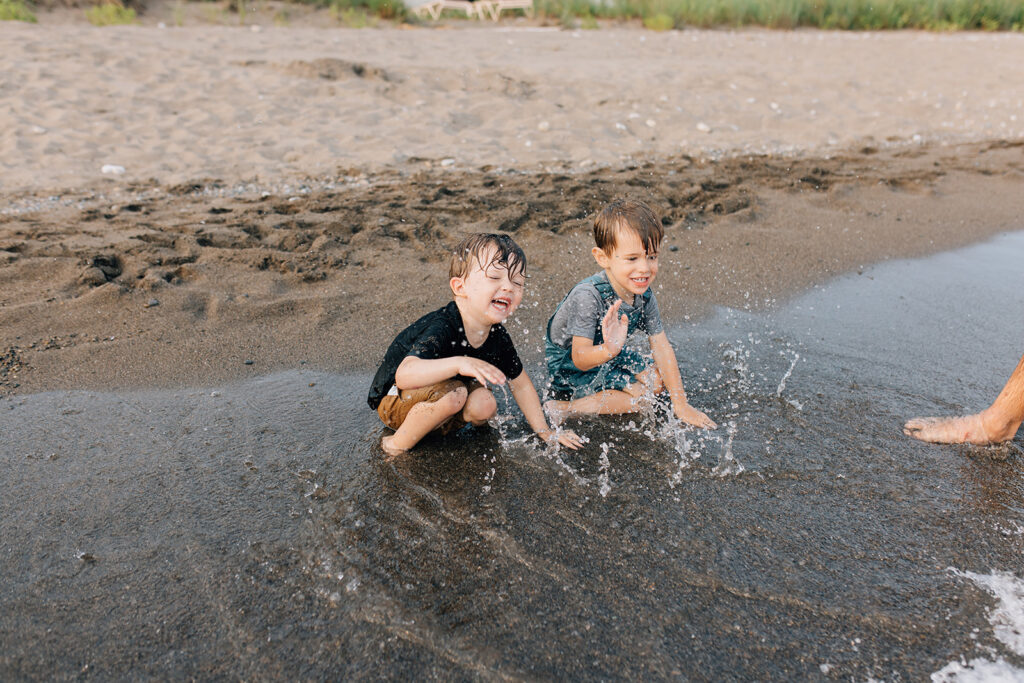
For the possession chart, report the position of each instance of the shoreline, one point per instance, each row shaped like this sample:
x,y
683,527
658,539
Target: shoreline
x,y
197,284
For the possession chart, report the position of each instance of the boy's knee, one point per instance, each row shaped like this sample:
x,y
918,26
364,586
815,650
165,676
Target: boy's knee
x,y
481,406
655,383
453,401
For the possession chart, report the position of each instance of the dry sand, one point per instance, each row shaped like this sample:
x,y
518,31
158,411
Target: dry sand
x,y
288,193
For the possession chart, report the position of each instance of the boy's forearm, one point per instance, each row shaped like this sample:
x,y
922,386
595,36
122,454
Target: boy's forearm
x,y
586,357
526,398
668,367
415,372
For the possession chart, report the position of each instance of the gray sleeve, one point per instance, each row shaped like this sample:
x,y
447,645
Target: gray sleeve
x,y
578,316
652,317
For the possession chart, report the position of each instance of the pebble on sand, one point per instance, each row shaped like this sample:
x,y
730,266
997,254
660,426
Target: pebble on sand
x,y
112,169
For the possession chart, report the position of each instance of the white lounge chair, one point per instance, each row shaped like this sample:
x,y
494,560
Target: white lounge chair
x,y
493,8
433,8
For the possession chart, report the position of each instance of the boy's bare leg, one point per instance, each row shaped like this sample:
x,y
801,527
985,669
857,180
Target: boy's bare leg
x,y
422,419
612,401
608,402
651,379
997,423
480,407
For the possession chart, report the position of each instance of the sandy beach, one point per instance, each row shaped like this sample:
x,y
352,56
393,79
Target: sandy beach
x,y
209,234
276,195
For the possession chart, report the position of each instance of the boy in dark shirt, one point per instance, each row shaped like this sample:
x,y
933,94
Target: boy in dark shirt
x,y
435,374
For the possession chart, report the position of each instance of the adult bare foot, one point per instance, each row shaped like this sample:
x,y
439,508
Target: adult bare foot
x,y
986,427
965,429
391,451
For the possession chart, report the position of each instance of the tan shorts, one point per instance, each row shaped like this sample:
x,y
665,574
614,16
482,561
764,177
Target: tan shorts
x,y
395,407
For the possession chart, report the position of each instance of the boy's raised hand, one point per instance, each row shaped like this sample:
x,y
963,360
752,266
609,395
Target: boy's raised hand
x,y
481,370
691,415
614,328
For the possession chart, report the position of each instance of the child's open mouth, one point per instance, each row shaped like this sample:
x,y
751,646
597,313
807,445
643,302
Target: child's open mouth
x,y
502,304
640,281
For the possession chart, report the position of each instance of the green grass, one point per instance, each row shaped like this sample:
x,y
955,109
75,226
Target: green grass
x,y
932,15
13,10
349,11
110,14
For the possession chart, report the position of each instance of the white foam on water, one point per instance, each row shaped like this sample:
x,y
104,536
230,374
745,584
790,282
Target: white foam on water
x,y
1007,619
979,671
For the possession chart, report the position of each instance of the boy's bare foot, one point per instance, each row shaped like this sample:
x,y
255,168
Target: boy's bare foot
x,y
391,451
979,429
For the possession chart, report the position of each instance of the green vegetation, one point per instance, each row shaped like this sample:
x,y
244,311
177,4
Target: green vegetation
x,y
110,14
15,10
354,15
659,22
358,13
933,15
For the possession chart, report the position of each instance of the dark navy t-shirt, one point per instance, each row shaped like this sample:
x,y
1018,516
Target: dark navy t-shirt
x,y
440,335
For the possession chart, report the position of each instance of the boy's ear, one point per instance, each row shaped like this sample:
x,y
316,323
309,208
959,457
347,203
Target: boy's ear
x,y
458,286
601,257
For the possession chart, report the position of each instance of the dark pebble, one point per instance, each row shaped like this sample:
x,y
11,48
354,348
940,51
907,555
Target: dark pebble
x,y
248,362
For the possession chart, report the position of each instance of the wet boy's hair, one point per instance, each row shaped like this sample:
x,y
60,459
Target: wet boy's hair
x,y
506,253
628,214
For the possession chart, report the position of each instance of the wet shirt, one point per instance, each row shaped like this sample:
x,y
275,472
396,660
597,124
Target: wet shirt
x,y
581,313
440,335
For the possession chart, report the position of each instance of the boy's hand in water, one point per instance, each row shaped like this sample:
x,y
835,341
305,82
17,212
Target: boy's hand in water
x,y
691,415
567,438
614,328
484,372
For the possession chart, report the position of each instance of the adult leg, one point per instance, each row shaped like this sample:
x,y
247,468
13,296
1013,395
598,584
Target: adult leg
x,y
997,423
423,418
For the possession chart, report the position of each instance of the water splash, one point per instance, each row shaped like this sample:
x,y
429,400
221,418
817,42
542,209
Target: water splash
x,y
603,469
789,372
728,464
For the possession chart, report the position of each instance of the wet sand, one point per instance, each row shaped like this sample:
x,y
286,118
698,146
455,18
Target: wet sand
x,y
252,530
324,276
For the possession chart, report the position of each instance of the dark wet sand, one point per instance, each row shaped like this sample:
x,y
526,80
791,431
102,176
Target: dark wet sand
x,y
253,531
323,276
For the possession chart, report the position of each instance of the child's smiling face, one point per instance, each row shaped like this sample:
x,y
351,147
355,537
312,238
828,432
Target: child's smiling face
x,y
631,268
490,290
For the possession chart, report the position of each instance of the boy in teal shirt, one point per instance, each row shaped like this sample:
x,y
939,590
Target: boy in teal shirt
x,y
591,367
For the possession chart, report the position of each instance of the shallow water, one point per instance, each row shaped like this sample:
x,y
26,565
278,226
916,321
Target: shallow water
x,y
253,531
